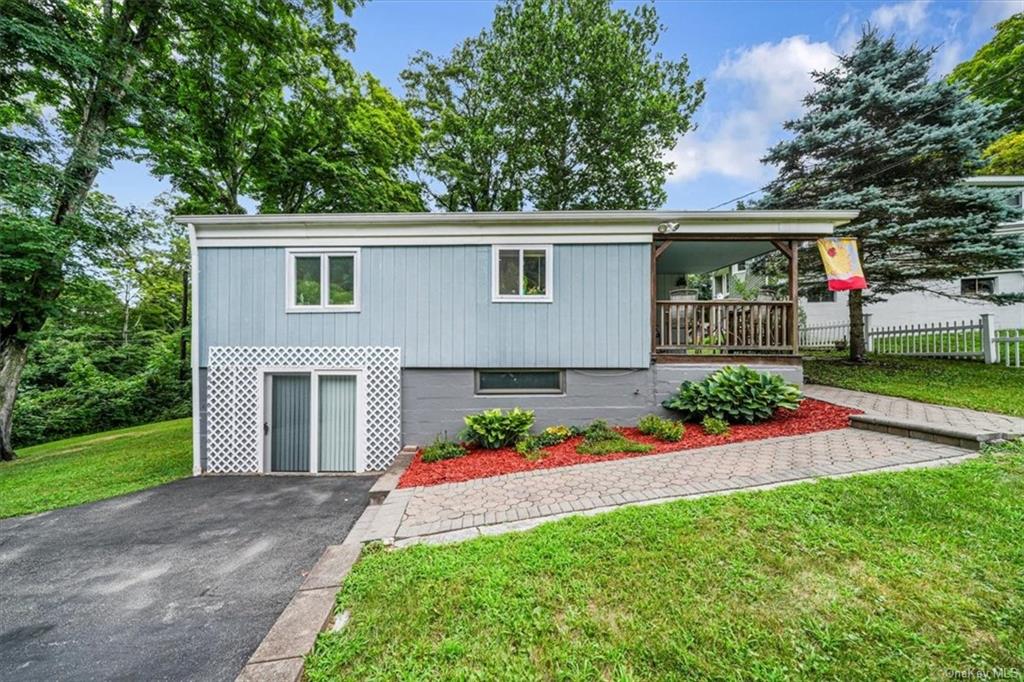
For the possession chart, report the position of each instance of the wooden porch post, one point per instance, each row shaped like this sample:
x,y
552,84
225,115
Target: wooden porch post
x,y
794,317
654,297
656,250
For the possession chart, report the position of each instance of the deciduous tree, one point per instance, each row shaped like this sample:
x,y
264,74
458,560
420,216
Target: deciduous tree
x,y
995,74
561,104
71,76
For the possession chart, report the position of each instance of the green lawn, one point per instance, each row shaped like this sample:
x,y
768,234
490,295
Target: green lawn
x,y
961,383
888,576
88,468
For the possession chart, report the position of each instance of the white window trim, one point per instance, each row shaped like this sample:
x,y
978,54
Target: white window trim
x,y
263,404
549,269
324,307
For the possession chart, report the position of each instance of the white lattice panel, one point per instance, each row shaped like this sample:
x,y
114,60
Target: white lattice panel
x,y
234,425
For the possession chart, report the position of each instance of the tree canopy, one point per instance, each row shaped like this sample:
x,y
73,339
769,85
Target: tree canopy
x,y
560,104
212,92
995,74
268,109
878,137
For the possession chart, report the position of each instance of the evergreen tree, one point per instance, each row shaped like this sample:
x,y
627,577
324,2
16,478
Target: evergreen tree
x,y
878,137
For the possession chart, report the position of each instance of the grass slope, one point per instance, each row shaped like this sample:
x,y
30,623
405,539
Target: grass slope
x,y
890,576
95,467
960,383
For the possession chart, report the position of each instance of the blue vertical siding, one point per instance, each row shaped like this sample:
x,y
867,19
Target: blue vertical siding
x,y
434,302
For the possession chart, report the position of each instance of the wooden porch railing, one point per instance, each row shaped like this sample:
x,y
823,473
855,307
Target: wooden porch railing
x,y
723,327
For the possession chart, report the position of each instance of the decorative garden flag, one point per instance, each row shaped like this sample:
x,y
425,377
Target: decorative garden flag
x,y
842,264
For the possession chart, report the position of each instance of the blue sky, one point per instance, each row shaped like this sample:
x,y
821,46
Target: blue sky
x,y
755,57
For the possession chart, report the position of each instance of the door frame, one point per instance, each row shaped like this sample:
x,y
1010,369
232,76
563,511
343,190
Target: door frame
x,y
263,406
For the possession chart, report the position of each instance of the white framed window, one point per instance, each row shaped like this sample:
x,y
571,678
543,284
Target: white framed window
x,y
977,286
319,281
521,272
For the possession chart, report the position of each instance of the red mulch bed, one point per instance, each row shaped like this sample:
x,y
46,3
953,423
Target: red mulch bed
x,y
812,415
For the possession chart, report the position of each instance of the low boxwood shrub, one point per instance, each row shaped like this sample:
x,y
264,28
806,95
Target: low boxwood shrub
x,y
737,394
667,430
493,429
714,426
601,439
442,448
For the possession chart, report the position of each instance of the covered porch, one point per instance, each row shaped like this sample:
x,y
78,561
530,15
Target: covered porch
x,y
749,319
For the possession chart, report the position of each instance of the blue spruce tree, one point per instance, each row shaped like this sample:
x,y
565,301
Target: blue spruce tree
x,y
879,137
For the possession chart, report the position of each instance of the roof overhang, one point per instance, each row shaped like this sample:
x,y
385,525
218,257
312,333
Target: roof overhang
x,y
996,180
369,229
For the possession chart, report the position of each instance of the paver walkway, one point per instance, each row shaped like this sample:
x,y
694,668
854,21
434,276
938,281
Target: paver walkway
x,y
918,413
535,494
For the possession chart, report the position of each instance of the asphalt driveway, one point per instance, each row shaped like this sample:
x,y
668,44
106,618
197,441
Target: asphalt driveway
x,y
180,582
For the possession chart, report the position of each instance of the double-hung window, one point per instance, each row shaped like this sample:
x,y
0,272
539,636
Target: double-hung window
x,y
521,273
322,281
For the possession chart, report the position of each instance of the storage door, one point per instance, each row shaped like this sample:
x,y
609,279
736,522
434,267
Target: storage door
x,y
289,422
337,422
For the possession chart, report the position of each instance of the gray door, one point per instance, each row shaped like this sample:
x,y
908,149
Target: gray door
x,y
289,422
337,436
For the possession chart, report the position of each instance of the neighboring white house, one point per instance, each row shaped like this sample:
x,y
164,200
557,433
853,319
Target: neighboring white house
x,y
823,307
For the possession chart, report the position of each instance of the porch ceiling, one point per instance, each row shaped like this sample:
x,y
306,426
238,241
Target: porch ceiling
x,y
695,257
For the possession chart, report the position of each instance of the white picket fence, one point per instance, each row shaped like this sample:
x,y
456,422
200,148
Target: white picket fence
x,y
963,340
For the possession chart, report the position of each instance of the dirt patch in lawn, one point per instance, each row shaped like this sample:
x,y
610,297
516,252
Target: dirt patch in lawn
x,y
812,416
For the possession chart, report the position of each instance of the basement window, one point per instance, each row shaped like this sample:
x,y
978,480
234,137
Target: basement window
x,y
519,381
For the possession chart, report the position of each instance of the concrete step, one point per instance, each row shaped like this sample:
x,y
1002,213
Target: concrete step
x,y
968,439
388,481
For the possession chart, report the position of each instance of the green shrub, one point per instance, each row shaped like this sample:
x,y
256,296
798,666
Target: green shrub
x,y
714,426
554,435
736,394
493,429
601,439
667,430
442,448
530,446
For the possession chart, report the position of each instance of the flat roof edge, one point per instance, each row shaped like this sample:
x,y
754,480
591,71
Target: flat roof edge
x,y
485,219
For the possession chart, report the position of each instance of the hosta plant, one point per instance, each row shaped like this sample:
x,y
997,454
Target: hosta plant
x,y
493,429
736,394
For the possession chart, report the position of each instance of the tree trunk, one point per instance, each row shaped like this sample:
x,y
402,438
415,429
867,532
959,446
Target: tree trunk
x,y
857,351
13,354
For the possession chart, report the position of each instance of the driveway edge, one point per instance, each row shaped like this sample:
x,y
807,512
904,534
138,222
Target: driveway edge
x,y
281,655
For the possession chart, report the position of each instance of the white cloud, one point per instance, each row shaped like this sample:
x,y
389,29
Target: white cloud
x,y
774,78
911,16
989,13
947,57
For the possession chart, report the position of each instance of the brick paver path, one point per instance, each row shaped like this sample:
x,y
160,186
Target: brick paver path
x,y
919,413
532,494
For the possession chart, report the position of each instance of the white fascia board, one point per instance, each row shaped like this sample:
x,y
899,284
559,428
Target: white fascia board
x,y
469,228
550,219
996,180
